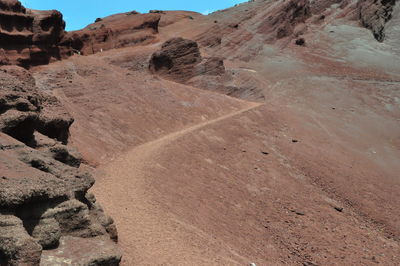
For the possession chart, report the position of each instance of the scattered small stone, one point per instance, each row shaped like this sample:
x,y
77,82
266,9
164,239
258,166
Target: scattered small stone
x,y
264,152
333,108
98,20
339,209
298,212
244,151
301,42
295,140
253,264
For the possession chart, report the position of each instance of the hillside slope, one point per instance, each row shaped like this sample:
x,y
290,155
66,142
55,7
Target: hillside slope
x,y
266,133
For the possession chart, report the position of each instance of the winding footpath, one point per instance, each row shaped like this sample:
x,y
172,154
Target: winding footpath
x,y
149,235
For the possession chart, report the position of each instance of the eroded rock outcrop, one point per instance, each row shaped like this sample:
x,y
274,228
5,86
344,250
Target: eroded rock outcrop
x,y
44,199
374,14
29,37
23,109
285,18
180,59
116,31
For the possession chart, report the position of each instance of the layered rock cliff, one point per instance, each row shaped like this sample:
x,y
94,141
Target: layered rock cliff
x,y
45,207
32,37
29,37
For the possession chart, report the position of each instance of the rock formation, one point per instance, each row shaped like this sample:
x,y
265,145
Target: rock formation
x,y
285,18
44,199
29,37
180,60
374,14
116,31
32,37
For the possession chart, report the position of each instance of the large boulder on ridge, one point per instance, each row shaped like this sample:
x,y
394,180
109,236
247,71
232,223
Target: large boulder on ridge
x,y
180,59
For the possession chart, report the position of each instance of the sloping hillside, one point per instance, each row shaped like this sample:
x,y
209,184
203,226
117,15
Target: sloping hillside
x,y
266,133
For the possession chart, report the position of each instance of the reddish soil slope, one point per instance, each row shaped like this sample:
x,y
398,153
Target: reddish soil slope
x,y
267,133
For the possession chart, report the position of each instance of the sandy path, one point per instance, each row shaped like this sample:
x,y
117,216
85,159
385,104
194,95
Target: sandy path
x,y
149,235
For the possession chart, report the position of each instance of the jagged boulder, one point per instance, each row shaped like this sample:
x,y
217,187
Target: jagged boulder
x,y
374,14
180,59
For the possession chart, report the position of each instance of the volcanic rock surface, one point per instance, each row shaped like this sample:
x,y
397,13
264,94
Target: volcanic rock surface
x,y
32,37
266,133
29,37
180,59
121,30
43,195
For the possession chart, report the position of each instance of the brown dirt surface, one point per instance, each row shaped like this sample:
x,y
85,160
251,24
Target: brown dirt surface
x,y
287,156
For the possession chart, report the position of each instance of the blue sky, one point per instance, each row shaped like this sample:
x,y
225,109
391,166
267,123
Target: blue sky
x,y
79,13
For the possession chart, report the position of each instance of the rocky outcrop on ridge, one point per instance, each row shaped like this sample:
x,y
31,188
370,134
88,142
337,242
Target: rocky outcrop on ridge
x,y
44,199
32,37
180,59
127,29
374,14
29,37
285,18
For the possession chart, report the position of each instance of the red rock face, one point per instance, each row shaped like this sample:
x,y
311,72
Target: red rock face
x,y
180,60
41,188
29,37
128,29
177,59
286,17
32,37
12,6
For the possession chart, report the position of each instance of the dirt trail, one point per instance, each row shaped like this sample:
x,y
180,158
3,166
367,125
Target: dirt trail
x,y
149,235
